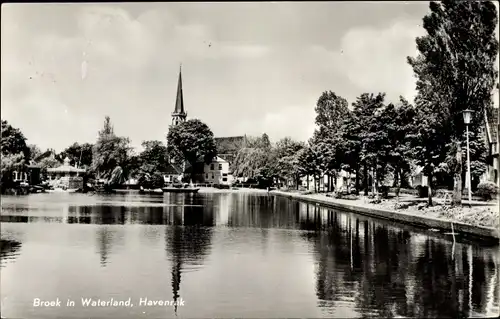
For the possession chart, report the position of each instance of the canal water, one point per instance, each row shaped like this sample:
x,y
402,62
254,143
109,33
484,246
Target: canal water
x,y
231,255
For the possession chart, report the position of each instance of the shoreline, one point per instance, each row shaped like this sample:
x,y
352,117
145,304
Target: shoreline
x,y
371,210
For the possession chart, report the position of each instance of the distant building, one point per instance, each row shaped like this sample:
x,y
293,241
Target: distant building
x,y
66,176
217,172
492,146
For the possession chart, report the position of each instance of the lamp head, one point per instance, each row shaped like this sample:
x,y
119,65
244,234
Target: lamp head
x,y
467,116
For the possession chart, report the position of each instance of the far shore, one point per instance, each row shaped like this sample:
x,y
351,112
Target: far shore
x,y
231,190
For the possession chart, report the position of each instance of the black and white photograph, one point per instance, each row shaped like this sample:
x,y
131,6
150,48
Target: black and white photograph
x,y
330,159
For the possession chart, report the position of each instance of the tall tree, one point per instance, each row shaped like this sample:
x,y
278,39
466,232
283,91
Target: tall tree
x,y
190,141
13,141
286,162
109,151
455,70
366,129
80,154
331,112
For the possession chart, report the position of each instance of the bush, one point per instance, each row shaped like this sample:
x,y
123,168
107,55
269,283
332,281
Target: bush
x,y
487,190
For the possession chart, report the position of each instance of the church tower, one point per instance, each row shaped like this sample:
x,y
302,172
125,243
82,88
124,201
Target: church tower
x,y
179,115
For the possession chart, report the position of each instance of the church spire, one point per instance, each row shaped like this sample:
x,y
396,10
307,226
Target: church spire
x,y
179,114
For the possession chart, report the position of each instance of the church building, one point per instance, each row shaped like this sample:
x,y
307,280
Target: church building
x,y
219,170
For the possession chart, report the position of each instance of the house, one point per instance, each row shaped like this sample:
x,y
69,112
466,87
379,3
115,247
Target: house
x,y
217,172
30,174
173,173
492,146
66,176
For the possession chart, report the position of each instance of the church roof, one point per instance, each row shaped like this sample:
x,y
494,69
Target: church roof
x,y
230,144
179,101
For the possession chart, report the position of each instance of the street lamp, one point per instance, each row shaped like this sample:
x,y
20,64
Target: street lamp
x,y
467,118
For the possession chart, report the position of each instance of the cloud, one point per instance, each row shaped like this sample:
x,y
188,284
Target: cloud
x,y
296,122
374,59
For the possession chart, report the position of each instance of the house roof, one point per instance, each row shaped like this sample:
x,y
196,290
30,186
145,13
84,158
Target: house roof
x,y
173,169
230,144
65,168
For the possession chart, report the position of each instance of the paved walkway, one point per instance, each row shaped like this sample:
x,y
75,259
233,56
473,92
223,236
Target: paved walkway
x,y
409,217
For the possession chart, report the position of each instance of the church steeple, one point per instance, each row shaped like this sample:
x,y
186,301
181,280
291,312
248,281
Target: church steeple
x,y
179,115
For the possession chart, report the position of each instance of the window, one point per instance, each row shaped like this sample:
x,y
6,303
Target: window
x,y
212,175
224,174
212,167
224,179
206,175
220,167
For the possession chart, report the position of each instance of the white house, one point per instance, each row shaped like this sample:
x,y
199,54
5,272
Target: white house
x,y
217,172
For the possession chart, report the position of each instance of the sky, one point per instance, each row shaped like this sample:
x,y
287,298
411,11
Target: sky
x,y
248,68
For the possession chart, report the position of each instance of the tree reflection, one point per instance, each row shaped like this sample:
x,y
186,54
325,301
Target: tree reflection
x,y
188,241
390,272
9,250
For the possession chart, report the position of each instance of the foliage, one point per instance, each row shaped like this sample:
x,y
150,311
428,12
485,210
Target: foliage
x,y
34,152
331,110
13,141
286,154
455,70
11,163
261,142
487,190
191,141
79,153
48,162
109,151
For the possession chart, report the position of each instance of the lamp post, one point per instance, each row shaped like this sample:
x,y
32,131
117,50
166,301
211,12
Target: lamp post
x,y
467,118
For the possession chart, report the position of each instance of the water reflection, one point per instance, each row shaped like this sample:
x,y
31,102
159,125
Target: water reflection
x,y
9,250
360,267
389,272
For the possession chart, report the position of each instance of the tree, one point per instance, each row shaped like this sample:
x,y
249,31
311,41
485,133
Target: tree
x,y
34,152
397,124
189,141
10,163
15,153
331,112
109,151
366,130
13,141
286,154
455,70
80,154
428,146
311,163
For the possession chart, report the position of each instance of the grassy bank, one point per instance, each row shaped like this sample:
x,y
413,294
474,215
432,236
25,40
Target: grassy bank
x,y
485,214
